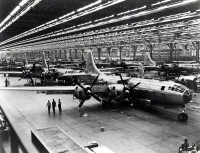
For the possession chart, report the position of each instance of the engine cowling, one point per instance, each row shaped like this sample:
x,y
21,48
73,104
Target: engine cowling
x,y
117,89
82,94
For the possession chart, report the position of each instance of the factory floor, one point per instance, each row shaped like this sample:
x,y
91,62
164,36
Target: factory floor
x,y
126,129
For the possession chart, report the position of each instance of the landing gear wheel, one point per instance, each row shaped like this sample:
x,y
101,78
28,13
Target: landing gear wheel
x,y
109,105
134,105
183,117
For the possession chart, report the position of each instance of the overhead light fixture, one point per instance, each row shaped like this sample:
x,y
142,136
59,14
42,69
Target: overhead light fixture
x,y
17,8
80,14
66,15
88,6
15,13
23,2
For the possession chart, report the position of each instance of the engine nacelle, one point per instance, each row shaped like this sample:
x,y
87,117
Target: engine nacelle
x,y
82,94
116,89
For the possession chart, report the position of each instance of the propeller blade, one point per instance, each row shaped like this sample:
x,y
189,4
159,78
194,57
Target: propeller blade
x,y
80,85
135,85
95,81
122,79
81,103
96,97
129,99
118,97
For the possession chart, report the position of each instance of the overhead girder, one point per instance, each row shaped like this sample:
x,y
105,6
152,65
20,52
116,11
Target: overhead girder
x,y
123,36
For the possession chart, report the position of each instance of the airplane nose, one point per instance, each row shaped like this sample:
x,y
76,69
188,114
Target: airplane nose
x,y
187,96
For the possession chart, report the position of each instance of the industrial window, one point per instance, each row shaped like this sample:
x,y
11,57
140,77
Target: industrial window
x,y
163,87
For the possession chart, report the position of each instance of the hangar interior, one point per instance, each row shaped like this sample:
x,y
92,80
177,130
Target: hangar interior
x,y
121,30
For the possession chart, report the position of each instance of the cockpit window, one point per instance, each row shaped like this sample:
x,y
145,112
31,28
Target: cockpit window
x,y
162,88
181,91
177,89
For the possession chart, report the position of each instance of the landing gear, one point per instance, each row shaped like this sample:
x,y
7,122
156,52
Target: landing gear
x,y
183,117
134,104
107,104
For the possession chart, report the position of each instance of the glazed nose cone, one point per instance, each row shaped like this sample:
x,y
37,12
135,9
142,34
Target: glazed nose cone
x,y
187,96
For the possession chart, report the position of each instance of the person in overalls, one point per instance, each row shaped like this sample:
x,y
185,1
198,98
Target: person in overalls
x,y
49,106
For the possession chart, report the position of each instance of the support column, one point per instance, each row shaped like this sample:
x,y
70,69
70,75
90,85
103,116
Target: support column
x,y
70,54
40,54
109,49
34,55
52,54
75,51
171,46
56,54
120,53
197,51
59,52
65,55
99,53
134,51
48,54
83,58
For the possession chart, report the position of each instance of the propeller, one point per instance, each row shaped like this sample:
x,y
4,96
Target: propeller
x,y
126,90
94,81
87,91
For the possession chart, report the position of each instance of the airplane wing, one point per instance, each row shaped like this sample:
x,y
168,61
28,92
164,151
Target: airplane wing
x,y
10,72
77,74
47,90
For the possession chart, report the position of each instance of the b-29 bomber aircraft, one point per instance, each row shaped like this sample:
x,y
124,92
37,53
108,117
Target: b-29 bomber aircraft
x,y
136,90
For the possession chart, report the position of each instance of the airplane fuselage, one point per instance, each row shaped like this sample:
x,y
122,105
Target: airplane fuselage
x,y
158,92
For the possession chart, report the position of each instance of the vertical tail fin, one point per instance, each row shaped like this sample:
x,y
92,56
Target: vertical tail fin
x,y
148,60
90,65
141,69
44,62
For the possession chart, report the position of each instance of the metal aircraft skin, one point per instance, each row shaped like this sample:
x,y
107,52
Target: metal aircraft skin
x,y
28,68
137,90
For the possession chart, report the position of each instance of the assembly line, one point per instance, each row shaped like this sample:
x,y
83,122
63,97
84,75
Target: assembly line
x,y
136,129
125,98
99,76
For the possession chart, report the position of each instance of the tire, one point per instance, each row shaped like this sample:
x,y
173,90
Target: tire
x,y
183,117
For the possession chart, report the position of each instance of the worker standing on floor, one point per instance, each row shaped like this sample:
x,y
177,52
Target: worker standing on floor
x,y
6,82
59,106
53,105
49,106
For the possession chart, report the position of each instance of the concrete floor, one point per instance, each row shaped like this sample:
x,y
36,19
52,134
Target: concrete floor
x,y
127,130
